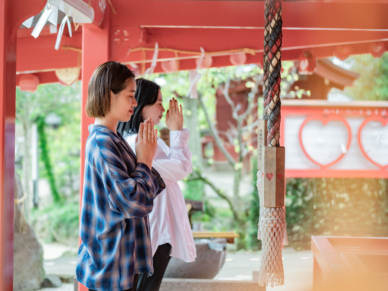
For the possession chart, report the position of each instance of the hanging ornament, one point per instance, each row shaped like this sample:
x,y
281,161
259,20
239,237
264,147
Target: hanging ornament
x,y
170,66
342,52
205,62
67,76
307,63
377,50
135,69
28,83
238,59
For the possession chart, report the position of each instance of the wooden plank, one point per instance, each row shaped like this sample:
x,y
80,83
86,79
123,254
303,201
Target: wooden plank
x,y
205,234
325,103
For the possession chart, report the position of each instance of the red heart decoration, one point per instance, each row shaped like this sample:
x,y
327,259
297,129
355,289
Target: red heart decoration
x,y
377,49
262,174
269,176
325,120
384,122
303,65
280,176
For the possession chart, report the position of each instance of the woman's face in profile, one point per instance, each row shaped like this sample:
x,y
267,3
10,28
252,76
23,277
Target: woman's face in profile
x,y
122,104
154,111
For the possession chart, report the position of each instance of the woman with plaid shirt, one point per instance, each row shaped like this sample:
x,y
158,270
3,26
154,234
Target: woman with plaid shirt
x,y
119,187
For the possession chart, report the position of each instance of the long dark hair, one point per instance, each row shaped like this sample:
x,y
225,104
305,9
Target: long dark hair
x,y
146,94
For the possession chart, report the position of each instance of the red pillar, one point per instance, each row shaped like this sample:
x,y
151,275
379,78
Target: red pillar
x,y
12,15
95,51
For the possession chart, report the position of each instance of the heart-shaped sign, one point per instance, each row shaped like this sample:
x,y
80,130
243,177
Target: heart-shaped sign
x,y
325,145
373,140
269,176
280,176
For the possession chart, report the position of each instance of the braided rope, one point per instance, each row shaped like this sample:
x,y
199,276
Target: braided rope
x,y
273,64
267,26
272,222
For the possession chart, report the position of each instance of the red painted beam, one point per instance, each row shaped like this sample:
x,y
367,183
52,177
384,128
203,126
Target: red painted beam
x,y
223,61
250,14
39,54
46,58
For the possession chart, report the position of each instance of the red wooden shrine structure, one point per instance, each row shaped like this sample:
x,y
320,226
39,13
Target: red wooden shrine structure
x,y
127,30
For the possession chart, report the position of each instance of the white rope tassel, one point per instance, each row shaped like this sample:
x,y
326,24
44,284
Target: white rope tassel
x,y
272,226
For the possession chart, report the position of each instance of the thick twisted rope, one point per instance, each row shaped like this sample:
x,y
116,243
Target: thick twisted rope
x,y
267,25
272,220
274,65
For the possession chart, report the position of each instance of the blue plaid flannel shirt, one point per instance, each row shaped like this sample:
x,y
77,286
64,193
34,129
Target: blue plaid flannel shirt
x,y
118,195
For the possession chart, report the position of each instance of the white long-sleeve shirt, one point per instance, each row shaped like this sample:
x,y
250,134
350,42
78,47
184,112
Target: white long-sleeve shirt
x,y
169,221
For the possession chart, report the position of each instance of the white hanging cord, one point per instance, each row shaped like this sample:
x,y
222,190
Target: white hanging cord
x,y
61,29
150,70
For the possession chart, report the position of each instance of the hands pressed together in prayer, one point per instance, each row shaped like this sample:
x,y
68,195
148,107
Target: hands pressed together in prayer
x,y
146,143
146,140
174,116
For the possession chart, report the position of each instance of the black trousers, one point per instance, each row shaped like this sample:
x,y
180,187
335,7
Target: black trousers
x,y
135,280
161,260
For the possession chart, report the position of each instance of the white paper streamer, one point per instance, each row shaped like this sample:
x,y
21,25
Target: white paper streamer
x,y
61,29
53,19
28,22
150,70
42,21
197,76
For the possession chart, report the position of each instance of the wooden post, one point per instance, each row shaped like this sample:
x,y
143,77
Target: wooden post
x,y
262,133
95,51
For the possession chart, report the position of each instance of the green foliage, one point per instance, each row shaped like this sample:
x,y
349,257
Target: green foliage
x,y
373,81
58,222
44,152
299,212
65,148
338,207
50,98
62,145
252,243
194,190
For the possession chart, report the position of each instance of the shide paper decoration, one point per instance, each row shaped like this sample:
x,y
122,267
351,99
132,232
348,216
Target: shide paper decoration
x,y
76,9
271,157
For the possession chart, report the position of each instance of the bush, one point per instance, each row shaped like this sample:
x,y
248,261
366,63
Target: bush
x,y
58,222
335,207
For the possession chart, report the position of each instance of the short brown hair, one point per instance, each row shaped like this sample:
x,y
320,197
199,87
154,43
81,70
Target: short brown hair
x,y
110,76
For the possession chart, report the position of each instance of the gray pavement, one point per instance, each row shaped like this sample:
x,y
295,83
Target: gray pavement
x,y
298,267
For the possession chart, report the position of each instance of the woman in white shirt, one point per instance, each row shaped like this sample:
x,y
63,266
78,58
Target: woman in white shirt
x,y
171,234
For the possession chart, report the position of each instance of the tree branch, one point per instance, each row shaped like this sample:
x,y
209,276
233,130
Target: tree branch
x,y
216,136
219,192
